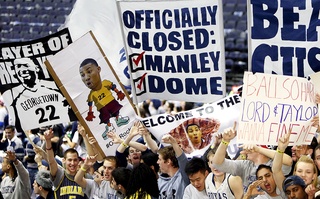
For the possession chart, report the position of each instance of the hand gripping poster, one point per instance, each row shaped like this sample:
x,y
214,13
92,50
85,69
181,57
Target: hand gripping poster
x,y
29,92
95,93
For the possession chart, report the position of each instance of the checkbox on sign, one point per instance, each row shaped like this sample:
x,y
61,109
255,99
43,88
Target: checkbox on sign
x,y
140,85
136,61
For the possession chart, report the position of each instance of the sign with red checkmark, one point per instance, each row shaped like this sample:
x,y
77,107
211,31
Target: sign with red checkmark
x,y
136,61
180,58
141,81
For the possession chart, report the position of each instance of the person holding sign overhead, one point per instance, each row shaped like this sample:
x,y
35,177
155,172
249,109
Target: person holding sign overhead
x,y
246,169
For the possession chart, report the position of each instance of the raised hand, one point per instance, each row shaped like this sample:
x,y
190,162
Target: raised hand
x,y
11,155
229,133
38,158
284,141
252,189
39,151
81,130
310,190
317,99
217,139
167,138
90,160
315,121
143,130
134,131
48,134
116,139
248,148
92,141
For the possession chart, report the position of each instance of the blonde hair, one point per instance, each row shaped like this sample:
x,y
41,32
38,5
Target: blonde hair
x,y
307,159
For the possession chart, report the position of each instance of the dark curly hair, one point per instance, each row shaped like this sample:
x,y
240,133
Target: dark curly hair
x,y
139,186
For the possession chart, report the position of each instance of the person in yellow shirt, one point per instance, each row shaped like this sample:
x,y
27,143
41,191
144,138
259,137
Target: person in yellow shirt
x,y
102,96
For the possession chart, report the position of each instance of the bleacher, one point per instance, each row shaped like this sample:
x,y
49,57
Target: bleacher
x,y
24,20
236,44
27,20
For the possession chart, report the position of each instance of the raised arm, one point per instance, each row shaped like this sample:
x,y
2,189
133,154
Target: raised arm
x,y
89,148
50,155
150,142
249,148
277,161
227,136
236,186
170,140
134,131
79,178
181,156
41,152
21,170
92,142
70,143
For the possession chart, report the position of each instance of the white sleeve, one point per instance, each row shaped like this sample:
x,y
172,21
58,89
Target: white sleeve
x,y
187,192
75,138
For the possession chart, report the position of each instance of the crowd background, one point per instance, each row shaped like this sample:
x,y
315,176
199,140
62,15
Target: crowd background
x,y
61,161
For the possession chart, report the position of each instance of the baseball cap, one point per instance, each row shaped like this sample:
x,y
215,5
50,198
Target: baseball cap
x,y
293,180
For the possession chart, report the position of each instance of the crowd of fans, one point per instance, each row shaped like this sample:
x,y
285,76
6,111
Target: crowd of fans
x,y
62,161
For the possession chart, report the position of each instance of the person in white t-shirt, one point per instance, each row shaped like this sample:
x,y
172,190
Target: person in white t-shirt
x,y
197,172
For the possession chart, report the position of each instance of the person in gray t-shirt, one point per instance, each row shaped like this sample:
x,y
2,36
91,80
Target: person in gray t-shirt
x,y
172,161
246,169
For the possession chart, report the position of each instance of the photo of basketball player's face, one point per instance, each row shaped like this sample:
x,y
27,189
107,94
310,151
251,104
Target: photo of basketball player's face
x,y
194,133
26,71
90,75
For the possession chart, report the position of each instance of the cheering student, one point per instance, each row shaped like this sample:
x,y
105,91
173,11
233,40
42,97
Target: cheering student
x,y
172,161
91,187
63,180
305,169
16,184
246,169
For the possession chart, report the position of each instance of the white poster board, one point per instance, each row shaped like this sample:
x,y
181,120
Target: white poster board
x,y
211,119
75,82
272,104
